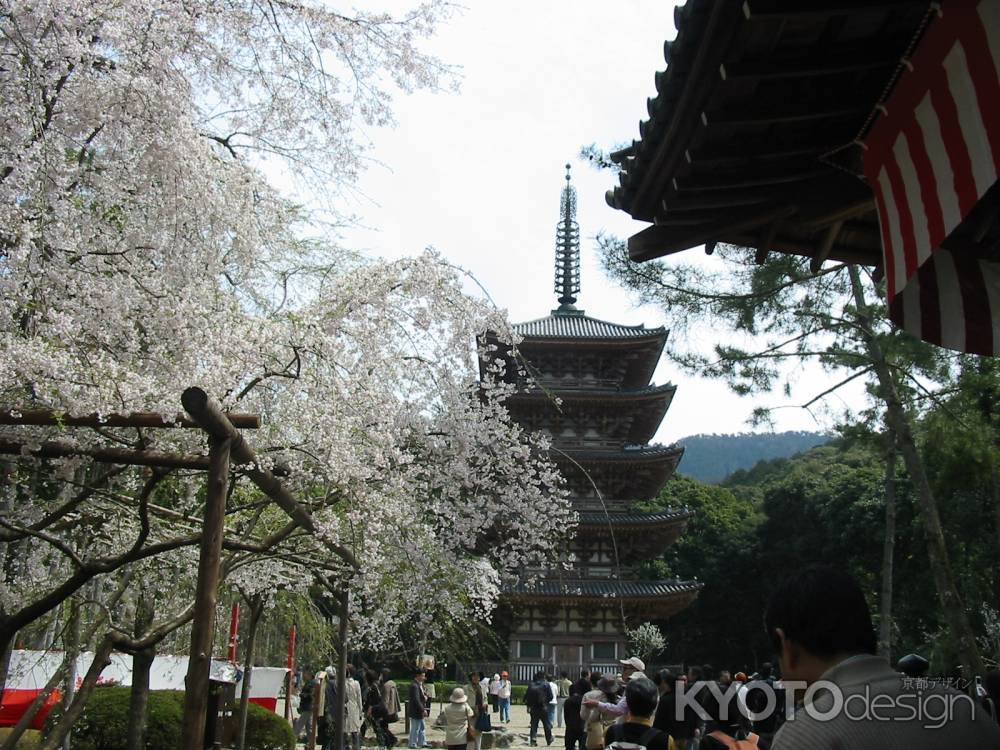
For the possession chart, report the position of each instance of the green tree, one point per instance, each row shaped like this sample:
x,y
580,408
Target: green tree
x,y
719,549
790,314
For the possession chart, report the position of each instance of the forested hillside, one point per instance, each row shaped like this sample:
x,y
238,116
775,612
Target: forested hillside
x,y
712,458
828,505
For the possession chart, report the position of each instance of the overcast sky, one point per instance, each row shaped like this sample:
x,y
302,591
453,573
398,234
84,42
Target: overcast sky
x,y
477,174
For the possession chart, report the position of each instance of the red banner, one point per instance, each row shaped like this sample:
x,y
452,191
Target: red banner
x,y
930,157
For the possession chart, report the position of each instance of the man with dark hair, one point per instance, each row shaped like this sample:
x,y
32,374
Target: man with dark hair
x,y
664,718
417,709
820,626
537,698
687,727
641,697
575,736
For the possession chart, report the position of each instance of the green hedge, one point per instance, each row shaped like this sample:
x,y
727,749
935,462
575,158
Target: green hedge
x,y
265,729
104,723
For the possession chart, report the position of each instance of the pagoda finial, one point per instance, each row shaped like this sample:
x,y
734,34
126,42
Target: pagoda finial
x,y
567,284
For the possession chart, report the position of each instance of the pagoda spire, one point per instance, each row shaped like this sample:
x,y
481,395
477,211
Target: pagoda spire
x,y
567,284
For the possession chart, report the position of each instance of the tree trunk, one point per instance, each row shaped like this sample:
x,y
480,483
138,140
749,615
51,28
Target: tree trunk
x,y
995,482
102,657
256,609
6,651
952,606
888,551
8,477
72,652
142,660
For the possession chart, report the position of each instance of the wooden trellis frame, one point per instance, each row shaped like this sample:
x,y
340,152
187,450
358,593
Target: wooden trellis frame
x,y
226,449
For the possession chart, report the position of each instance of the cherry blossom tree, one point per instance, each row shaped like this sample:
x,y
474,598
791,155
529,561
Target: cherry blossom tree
x,y
143,250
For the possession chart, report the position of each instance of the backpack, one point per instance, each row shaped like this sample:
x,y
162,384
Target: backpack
x,y
533,696
618,730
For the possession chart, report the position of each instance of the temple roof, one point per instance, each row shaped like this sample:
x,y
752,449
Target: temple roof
x,y
659,518
638,536
752,138
563,326
631,454
652,599
637,413
649,393
635,473
604,589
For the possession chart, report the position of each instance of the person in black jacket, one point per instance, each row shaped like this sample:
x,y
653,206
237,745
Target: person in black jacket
x,y
376,715
665,719
417,708
537,698
575,733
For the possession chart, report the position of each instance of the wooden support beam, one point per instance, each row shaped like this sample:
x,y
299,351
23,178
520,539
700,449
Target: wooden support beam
x,y
821,65
772,113
760,257
206,594
713,201
756,151
777,9
861,256
747,179
841,212
655,241
823,251
122,456
208,414
47,417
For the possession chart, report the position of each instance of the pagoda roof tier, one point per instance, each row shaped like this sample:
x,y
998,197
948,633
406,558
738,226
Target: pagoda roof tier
x,y
573,350
672,516
638,536
655,599
633,415
579,326
634,473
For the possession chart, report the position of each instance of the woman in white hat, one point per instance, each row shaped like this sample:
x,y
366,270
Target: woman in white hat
x,y
457,720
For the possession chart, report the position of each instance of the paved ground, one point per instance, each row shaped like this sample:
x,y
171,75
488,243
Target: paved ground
x,y
517,730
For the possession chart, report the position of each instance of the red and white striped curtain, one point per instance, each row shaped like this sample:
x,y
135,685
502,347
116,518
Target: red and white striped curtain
x,y
930,157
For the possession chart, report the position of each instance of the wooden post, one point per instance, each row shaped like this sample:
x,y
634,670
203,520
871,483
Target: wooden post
x,y
203,626
338,726
291,674
234,631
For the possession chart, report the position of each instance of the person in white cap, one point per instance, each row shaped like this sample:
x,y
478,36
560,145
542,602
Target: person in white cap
x,y
457,720
632,668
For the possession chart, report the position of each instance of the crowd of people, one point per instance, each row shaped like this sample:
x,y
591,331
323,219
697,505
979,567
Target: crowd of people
x,y
371,703
833,692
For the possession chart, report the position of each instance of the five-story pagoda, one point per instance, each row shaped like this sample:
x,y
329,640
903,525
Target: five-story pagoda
x,y
586,383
